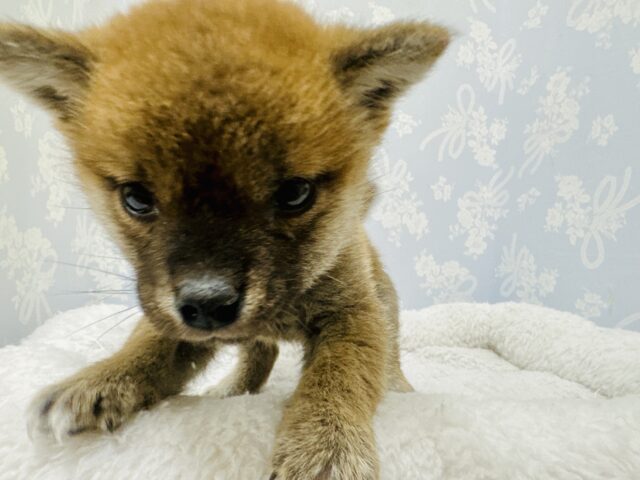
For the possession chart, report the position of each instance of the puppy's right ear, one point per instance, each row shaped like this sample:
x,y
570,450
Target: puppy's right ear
x,y
51,67
376,66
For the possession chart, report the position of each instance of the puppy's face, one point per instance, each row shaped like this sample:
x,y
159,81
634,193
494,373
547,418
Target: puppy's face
x,y
230,204
227,156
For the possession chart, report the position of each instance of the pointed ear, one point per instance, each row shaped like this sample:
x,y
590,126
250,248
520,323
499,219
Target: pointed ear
x,y
51,67
377,66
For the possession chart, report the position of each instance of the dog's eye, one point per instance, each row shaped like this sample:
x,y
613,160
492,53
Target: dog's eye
x,y
138,201
295,196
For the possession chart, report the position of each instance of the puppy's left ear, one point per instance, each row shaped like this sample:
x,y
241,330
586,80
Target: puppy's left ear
x,y
51,67
377,66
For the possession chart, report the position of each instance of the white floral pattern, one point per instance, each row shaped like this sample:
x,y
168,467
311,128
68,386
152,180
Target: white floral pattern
x,y
40,12
342,14
527,83
405,124
510,173
591,219
398,208
442,190
599,16
22,118
449,282
602,129
559,112
78,11
381,15
479,212
528,199
519,272
29,259
468,125
54,176
495,65
488,4
591,305
535,15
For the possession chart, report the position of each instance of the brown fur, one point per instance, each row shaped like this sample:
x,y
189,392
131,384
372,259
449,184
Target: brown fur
x,y
211,104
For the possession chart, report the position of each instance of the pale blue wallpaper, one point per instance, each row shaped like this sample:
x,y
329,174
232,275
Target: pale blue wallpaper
x,y
512,173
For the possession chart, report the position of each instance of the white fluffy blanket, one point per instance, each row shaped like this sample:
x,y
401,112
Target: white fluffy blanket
x,y
507,391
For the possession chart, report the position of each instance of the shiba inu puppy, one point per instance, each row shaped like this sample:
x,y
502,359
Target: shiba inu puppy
x,y
225,144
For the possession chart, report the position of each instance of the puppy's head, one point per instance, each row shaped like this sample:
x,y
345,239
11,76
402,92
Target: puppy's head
x,y
225,144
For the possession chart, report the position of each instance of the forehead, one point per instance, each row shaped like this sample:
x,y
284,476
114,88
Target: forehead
x,y
201,139
222,135
217,142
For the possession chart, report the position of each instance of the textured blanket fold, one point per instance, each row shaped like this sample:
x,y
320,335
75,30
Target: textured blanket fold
x,y
507,391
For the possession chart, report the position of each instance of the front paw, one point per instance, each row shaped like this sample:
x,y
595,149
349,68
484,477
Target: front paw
x,y
90,401
325,449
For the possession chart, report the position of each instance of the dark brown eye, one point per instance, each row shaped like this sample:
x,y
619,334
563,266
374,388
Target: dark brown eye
x,y
137,200
295,196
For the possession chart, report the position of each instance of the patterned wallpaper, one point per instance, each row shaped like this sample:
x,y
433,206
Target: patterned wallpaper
x,y
513,173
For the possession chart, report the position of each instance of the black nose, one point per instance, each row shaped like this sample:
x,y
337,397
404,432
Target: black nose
x,y
209,305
